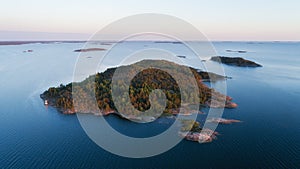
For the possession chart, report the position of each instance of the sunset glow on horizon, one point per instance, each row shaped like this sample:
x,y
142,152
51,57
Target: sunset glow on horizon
x,y
219,20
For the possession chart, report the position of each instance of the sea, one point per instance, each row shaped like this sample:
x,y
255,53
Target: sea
x,y
37,136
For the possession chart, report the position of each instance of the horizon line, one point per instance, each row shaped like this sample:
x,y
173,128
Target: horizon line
x,y
14,36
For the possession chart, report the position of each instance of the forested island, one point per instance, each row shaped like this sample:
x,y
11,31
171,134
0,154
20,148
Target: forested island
x,y
146,81
141,86
235,61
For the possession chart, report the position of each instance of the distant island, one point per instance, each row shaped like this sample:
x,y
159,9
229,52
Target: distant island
x,y
32,42
29,50
235,61
89,50
181,56
236,51
174,42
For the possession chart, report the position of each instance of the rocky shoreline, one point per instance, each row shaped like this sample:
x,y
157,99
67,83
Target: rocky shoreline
x,y
61,97
215,104
223,121
203,136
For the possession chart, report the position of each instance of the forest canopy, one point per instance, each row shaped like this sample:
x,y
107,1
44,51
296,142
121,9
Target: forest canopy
x,y
98,87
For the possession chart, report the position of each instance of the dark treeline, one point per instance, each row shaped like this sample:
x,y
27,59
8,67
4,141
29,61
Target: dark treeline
x,y
98,86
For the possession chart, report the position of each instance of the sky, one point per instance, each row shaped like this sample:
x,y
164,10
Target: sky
x,y
228,20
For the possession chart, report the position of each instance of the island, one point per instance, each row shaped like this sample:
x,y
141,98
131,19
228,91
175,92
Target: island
x,y
89,50
181,56
29,50
139,90
192,131
236,51
105,43
61,96
235,61
33,42
223,121
172,42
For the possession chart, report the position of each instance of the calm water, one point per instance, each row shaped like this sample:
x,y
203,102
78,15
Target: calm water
x,y
33,136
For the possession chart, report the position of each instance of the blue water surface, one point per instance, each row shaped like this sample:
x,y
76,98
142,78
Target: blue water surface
x,y
35,136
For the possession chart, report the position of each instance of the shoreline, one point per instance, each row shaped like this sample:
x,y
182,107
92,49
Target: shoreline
x,y
7,43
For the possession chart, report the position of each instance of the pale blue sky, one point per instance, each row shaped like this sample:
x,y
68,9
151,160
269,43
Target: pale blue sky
x,y
217,19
